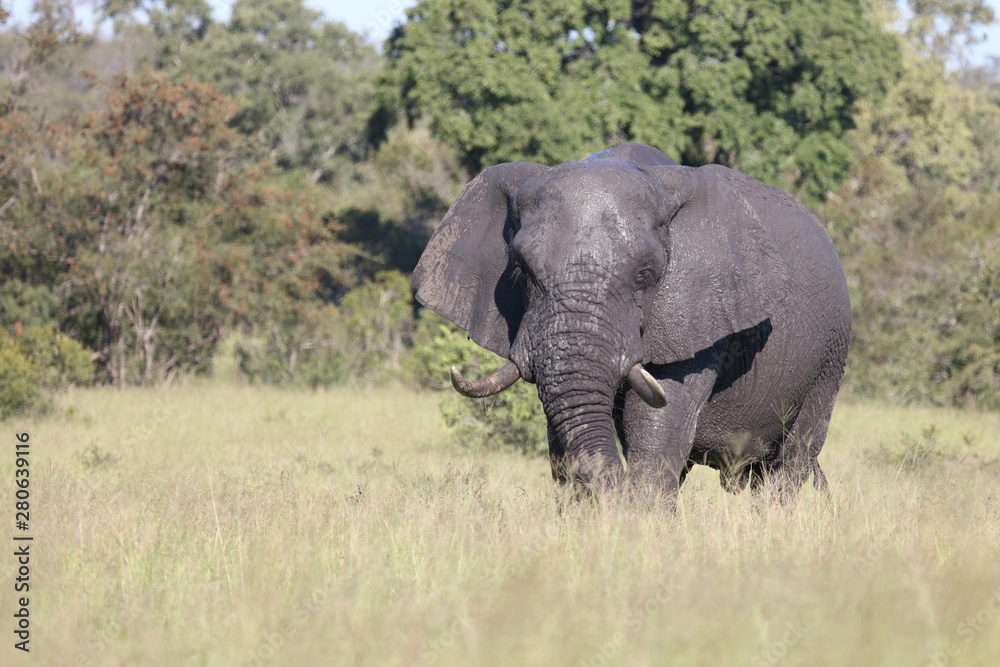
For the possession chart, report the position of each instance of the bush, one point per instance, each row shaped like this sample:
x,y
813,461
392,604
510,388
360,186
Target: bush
x,y
315,361
63,361
19,380
309,353
966,362
512,419
378,323
34,365
30,304
362,340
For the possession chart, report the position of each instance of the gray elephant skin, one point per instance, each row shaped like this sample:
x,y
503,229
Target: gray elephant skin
x,y
701,315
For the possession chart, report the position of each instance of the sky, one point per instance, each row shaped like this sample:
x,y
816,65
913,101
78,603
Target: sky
x,y
375,18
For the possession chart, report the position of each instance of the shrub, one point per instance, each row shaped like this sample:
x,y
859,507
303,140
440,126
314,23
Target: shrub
x,y
307,354
19,380
512,419
63,361
966,362
34,365
362,340
378,322
30,304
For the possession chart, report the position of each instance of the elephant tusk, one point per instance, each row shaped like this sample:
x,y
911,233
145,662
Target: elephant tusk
x,y
487,386
647,387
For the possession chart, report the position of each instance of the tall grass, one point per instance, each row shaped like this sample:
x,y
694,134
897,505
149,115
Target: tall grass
x,y
228,525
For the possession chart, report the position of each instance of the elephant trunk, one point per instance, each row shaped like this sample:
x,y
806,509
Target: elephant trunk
x,y
577,384
581,437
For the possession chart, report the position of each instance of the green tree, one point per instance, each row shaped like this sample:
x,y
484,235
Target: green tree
x,y
38,48
302,84
398,195
155,232
946,28
767,87
303,87
914,225
175,24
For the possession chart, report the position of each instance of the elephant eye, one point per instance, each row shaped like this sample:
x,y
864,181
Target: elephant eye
x,y
518,271
643,277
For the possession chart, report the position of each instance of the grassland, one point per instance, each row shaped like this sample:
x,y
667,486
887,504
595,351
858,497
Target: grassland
x,y
218,524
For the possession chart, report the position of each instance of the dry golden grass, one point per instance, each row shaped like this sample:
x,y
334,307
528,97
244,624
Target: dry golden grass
x,y
227,525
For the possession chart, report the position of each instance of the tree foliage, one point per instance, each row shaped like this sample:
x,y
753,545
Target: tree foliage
x,y
301,83
915,225
36,49
766,87
397,197
144,220
946,28
303,87
272,179
35,362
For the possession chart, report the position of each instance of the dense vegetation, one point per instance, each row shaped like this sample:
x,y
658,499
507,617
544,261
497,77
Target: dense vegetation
x,y
268,182
767,88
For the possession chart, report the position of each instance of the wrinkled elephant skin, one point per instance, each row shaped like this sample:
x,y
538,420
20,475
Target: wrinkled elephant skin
x,y
697,313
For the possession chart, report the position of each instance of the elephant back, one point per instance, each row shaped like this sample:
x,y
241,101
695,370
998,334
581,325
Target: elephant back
x,y
801,238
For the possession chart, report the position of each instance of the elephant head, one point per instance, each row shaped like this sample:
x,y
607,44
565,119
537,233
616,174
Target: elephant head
x,y
582,272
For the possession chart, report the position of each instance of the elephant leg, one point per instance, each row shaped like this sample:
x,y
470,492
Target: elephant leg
x,y
754,474
799,452
657,442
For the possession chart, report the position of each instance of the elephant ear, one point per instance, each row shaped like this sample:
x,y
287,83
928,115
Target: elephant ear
x,y
724,271
464,273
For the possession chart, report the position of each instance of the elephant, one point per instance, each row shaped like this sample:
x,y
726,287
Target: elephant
x,y
697,314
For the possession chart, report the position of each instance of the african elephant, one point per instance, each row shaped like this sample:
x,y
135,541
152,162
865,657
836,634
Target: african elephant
x,y
701,315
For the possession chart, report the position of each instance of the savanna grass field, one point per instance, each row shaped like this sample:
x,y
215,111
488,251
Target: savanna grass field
x,y
226,524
